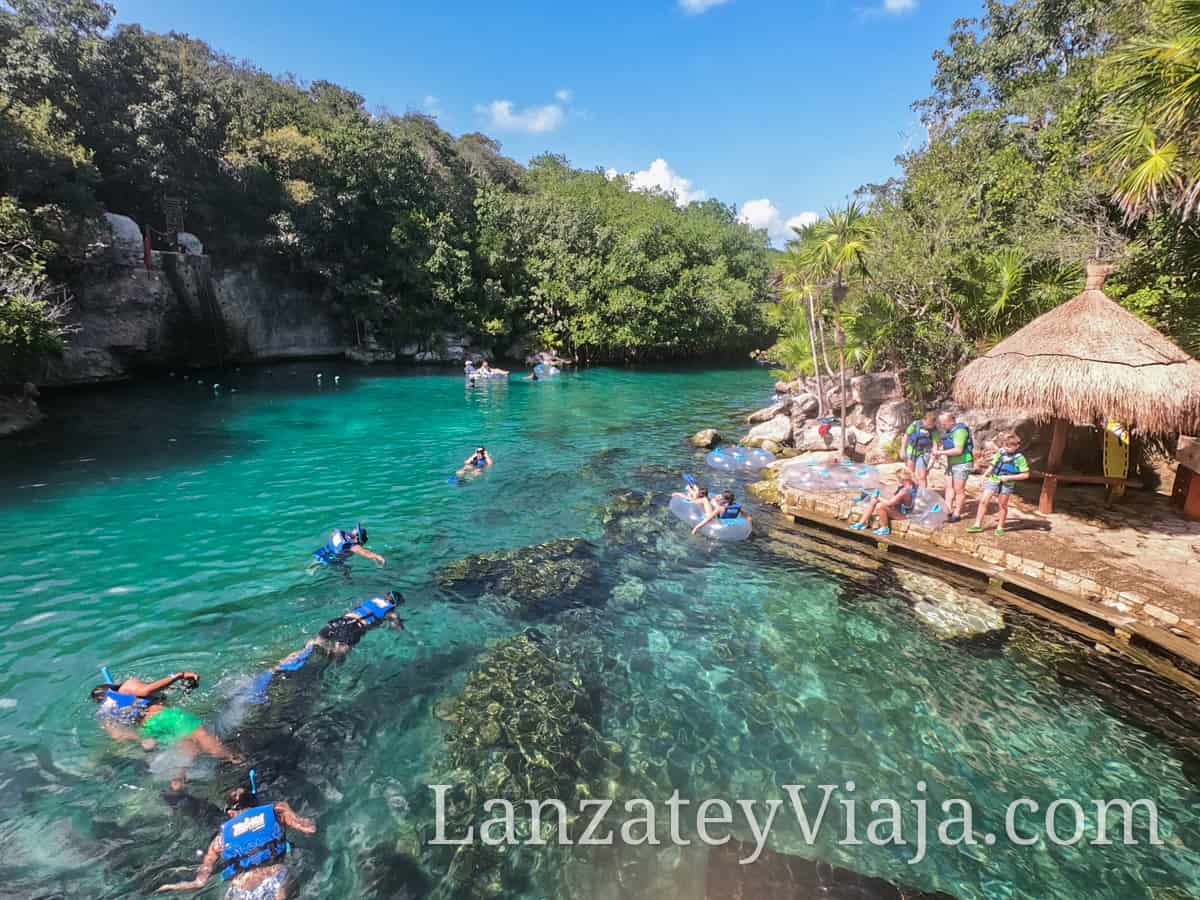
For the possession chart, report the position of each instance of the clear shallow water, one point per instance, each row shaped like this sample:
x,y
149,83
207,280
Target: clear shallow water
x,y
157,527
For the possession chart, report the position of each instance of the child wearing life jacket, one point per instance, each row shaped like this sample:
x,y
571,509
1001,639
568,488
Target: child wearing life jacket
x,y
721,507
1007,467
899,504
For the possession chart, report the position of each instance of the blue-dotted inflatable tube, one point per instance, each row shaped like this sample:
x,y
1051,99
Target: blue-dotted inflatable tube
x,y
757,458
545,370
930,510
718,529
843,476
722,460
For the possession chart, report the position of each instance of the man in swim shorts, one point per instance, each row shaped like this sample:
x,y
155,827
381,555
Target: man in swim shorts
x,y
131,710
250,848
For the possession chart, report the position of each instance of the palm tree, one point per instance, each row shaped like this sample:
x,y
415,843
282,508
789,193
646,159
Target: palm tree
x,y
1152,148
1006,289
798,285
835,248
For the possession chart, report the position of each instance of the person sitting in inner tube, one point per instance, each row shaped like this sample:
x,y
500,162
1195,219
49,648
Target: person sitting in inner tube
x,y
343,544
486,371
476,462
722,507
250,848
899,504
131,711
469,369
339,636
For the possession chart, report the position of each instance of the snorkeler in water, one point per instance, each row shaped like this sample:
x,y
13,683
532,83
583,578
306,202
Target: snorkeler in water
x,y
342,545
131,710
475,463
250,848
336,639
339,636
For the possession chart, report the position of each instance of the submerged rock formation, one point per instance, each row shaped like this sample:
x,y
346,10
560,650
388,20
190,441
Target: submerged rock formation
x,y
528,582
523,728
706,438
949,612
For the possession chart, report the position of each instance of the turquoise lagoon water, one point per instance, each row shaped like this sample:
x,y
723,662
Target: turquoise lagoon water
x,y
161,526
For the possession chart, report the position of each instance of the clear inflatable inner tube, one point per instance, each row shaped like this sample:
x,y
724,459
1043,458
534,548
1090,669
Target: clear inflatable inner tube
x,y
545,370
721,460
843,476
930,510
738,458
718,529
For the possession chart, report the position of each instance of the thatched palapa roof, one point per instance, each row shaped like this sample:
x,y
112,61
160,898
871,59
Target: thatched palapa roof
x,y
1087,360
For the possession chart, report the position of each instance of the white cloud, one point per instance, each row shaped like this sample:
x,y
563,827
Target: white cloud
x,y
899,6
800,221
661,177
697,7
431,105
763,214
504,116
565,95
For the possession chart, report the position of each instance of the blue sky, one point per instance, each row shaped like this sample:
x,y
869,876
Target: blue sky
x,y
778,107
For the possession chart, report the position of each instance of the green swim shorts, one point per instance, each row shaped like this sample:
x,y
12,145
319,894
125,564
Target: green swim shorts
x,y
170,725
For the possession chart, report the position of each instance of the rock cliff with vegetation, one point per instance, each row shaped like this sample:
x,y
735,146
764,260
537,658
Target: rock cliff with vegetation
x,y
327,226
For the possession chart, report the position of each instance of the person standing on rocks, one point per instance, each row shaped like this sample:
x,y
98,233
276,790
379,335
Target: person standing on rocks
x,y
916,447
958,449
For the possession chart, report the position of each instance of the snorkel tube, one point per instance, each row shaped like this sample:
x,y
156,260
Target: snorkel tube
x,y
253,783
106,675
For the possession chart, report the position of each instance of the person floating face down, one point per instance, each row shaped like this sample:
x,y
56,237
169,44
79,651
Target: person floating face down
x,y
722,506
250,848
899,504
1007,467
131,710
339,636
476,462
342,545
916,447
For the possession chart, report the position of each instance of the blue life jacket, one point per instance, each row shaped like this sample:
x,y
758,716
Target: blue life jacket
x,y
912,495
921,440
948,439
254,837
479,461
337,549
1006,464
732,511
373,611
125,708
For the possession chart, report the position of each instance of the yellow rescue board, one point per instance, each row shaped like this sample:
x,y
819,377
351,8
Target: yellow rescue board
x,y
1116,456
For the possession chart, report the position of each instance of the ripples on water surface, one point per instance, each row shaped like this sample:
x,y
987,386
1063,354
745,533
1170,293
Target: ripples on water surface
x,y
157,526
